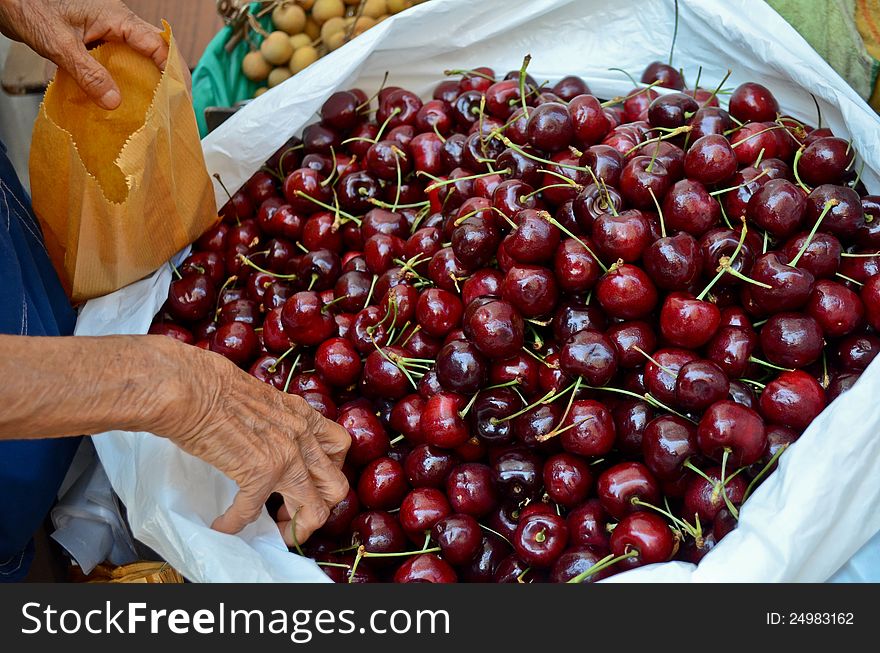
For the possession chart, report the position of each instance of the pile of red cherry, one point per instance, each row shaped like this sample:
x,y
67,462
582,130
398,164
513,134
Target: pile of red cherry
x,y
568,337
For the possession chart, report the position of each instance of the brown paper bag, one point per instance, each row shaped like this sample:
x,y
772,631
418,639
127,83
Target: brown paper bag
x,y
119,192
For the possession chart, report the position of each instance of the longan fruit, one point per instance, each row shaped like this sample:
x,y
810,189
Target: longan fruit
x,y
375,8
278,75
335,41
396,6
276,48
363,24
305,4
303,57
289,18
255,67
300,40
331,27
312,28
260,91
324,10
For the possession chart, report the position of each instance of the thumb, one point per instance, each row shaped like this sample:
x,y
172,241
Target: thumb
x,y
92,77
245,508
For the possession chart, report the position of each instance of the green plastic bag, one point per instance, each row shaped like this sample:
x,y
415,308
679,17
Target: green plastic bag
x,y
217,80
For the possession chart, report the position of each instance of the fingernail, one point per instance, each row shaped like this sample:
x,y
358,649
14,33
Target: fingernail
x,y
111,99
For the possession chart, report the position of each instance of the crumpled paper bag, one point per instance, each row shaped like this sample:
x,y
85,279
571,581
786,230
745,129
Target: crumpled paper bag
x,y
119,192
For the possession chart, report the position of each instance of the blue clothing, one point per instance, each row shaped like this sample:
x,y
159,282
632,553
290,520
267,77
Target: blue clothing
x,y
32,302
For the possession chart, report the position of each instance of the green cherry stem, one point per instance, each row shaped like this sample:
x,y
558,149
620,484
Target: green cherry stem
x,y
603,564
828,206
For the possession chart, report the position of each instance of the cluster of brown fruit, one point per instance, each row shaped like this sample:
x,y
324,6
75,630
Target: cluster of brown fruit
x,y
306,30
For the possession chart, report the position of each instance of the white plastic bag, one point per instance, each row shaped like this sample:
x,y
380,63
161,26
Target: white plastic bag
x,y
805,521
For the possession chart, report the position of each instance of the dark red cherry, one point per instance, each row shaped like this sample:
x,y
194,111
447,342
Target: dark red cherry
x,y
674,262
821,258
378,532
840,383
550,127
751,102
661,373
540,539
236,341
620,487
567,479
710,160
460,367
425,568
590,355
667,443
482,567
516,476
428,466
703,498
589,429
441,423
631,416
575,268
530,289
191,298
420,510
709,120
792,399
305,320
495,328
791,340
459,537
369,440
605,162
381,485
626,292
438,311
589,122
521,367
778,207
671,110
645,534
628,338
622,236
790,287
721,243
338,362
727,425
825,161
836,308
846,214
664,74
643,177
587,525
730,348
700,384
688,322
570,87
855,352
469,489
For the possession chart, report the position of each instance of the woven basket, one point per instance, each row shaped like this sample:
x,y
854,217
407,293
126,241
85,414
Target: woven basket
x,y
136,572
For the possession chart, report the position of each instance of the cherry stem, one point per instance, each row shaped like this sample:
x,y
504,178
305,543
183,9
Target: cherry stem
x,y
397,154
659,213
366,103
522,84
249,263
726,267
739,275
722,488
754,383
623,98
175,270
385,124
687,464
548,398
794,169
721,191
399,438
216,176
556,429
680,523
494,532
603,564
659,404
437,131
333,171
543,188
357,560
400,554
443,182
538,358
654,360
472,73
285,153
516,148
229,282
672,133
290,373
828,206
848,255
274,365
760,475
758,361
333,301
549,218
674,33
342,565
850,279
335,209
716,91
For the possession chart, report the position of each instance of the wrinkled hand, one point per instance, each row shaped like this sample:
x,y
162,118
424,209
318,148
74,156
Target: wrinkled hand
x,y
60,30
265,440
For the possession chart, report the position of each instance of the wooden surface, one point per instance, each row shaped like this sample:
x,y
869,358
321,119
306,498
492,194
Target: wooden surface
x,y
195,22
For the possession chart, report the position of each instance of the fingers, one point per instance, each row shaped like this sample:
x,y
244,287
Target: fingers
x,y
143,38
331,483
335,440
246,507
307,511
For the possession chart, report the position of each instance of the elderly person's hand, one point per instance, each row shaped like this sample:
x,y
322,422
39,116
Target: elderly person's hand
x,y
265,440
60,30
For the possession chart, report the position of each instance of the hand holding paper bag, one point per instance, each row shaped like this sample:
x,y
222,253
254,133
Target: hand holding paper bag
x,y
118,192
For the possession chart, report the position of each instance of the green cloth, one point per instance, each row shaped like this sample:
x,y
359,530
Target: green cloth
x,y
830,27
217,80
